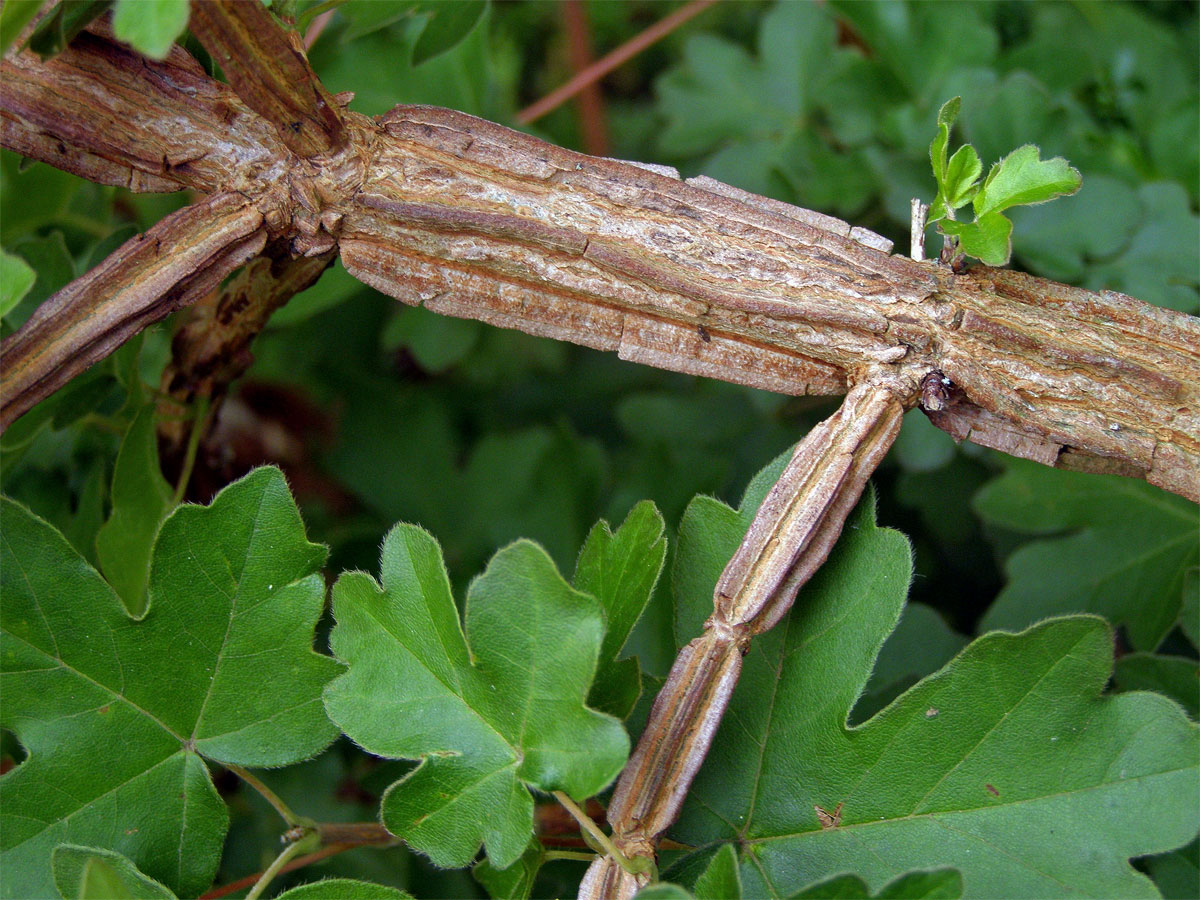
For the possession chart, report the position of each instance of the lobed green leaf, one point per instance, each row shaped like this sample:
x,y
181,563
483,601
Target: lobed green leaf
x,y
116,714
16,277
516,881
490,712
92,873
720,880
1023,178
938,884
141,499
1177,873
620,570
962,175
1176,677
343,889
988,238
1128,559
978,767
938,150
15,15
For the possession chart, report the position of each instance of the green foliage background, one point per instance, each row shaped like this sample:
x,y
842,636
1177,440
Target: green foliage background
x,y
381,414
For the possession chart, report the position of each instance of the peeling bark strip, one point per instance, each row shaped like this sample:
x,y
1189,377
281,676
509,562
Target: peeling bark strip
x,y
270,72
801,517
212,348
471,219
106,113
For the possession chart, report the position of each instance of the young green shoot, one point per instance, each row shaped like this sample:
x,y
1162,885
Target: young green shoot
x,y
1021,178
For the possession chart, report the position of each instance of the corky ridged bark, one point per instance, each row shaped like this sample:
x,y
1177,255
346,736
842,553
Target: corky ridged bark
x,y
173,264
792,534
270,73
472,219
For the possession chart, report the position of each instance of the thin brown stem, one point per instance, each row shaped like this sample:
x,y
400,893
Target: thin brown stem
x,y
318,25
590,100
361,834
613,60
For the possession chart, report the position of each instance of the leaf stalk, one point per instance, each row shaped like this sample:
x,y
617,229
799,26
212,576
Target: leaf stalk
x,y
591,830
292,820
304,845
199,420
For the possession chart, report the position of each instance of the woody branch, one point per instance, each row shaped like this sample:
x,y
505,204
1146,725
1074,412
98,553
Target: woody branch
x,y
471,219
792,534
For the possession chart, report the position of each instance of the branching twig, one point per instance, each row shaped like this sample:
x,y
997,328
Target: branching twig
x,y
471,219
694,276
181,258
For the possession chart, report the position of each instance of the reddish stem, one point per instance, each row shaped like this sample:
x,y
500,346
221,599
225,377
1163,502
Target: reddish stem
x,y
298,863
618,57
590,99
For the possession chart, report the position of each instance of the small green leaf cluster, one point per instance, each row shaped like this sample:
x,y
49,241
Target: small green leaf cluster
x,y
1020,179
829,106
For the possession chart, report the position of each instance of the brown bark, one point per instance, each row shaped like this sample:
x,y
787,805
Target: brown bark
x,y
151,275
212,348
470,219
105,113
792,534
269,71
